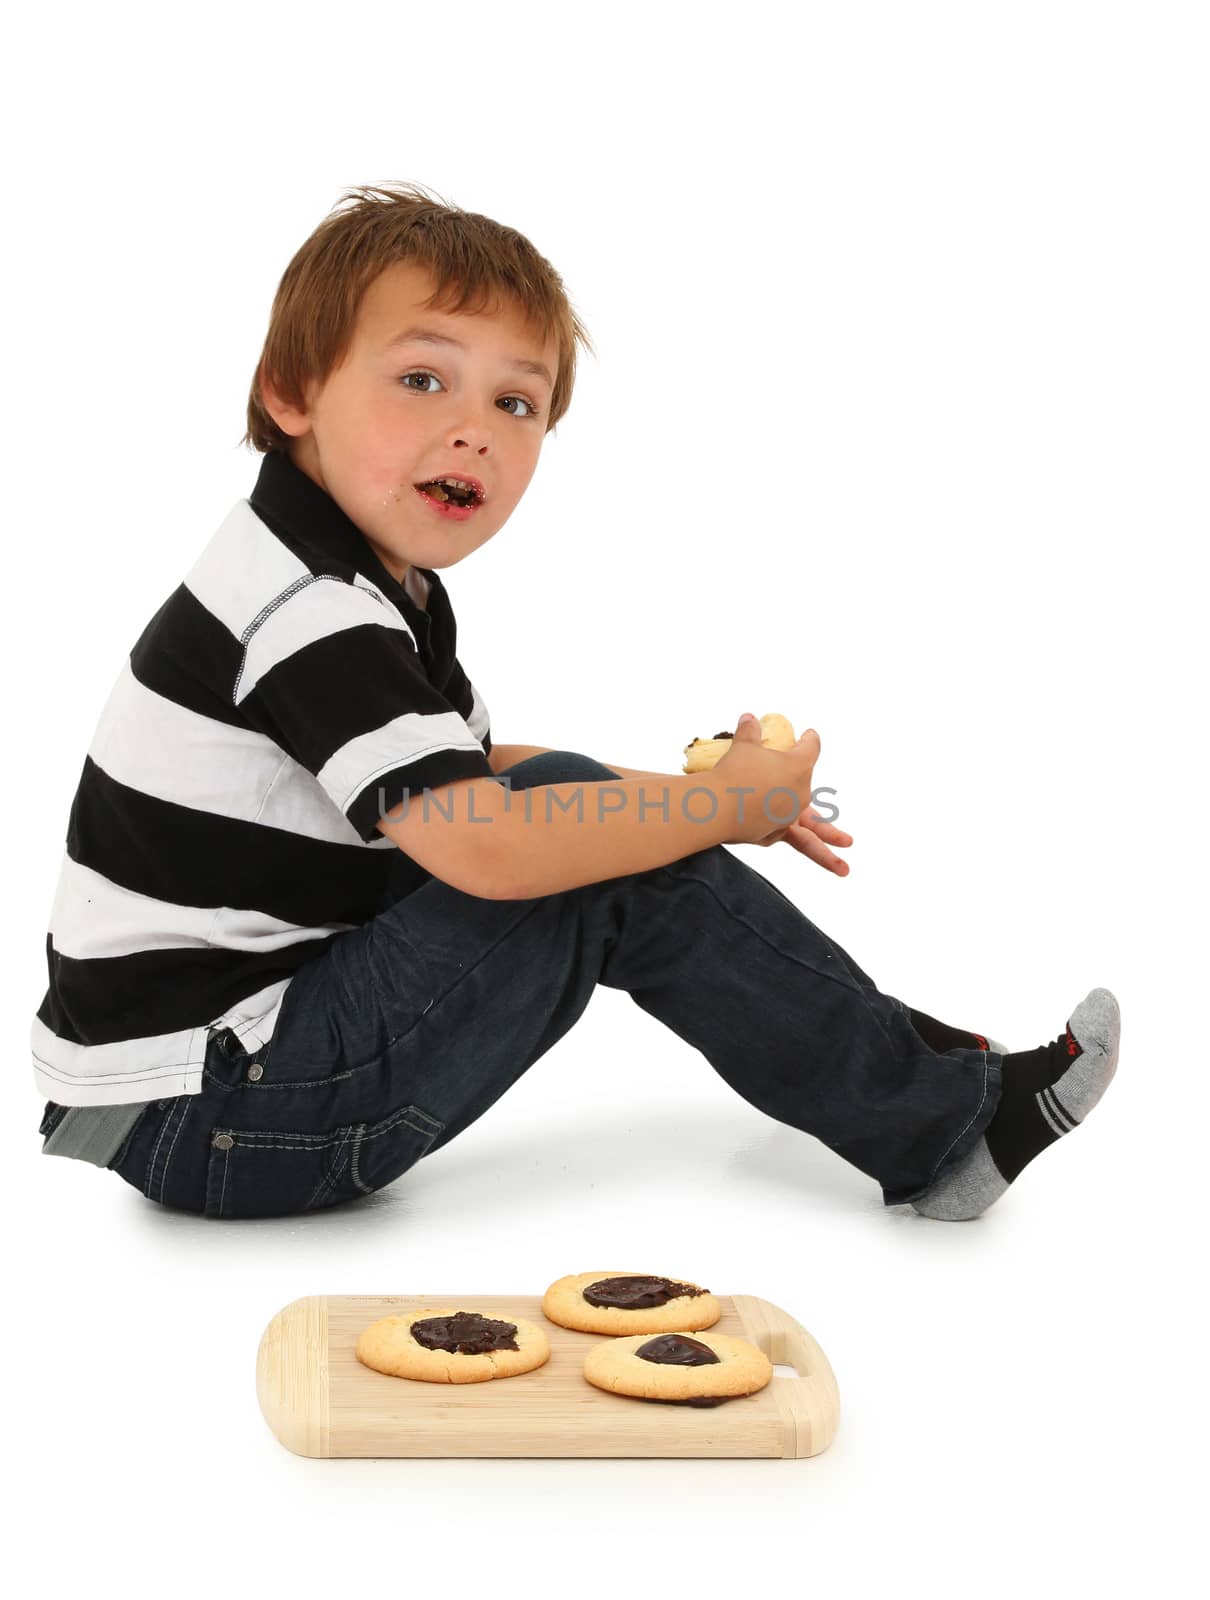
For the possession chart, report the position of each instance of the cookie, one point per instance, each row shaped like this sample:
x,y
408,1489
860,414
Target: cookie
x,y
628,1302
441,1345
679,1368
776,733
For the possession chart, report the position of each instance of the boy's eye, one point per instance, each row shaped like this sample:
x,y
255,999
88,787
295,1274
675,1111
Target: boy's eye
x,y
431,378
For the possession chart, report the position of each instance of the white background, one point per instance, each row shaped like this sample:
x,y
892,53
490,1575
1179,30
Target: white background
x,y
896,425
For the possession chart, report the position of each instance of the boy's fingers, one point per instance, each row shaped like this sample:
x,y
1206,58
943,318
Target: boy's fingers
x,y
825,830
808,844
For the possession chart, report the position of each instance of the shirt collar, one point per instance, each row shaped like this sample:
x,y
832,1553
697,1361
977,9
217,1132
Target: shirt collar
x,y
302,513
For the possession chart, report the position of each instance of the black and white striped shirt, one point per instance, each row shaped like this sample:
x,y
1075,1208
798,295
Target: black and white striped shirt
x,y
222,833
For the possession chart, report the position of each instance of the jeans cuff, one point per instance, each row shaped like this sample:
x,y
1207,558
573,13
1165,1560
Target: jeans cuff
x,y
956,1153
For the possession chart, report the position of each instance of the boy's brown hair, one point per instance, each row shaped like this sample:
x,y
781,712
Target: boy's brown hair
x,y
476,263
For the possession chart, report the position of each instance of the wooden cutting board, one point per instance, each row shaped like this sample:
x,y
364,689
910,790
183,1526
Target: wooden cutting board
x,y
321,1401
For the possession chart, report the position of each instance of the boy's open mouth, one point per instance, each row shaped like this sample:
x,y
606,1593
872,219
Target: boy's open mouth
x,y
451,491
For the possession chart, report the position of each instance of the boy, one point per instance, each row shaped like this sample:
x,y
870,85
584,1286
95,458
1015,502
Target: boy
x,y
307,930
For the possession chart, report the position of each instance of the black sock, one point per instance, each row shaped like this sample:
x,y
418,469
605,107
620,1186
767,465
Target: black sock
x,y
1044,1093
1027,1118
940,1036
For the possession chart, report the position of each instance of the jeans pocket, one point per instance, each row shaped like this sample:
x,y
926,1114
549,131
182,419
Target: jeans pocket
x,y
271,1173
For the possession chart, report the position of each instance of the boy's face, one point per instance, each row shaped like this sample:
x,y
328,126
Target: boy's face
x,y
379,424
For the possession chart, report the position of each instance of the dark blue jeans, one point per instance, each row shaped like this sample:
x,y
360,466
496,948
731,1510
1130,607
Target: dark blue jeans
x,y
406,1030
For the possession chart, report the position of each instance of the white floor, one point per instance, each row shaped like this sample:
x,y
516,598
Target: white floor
x,y
1017,1409
895,425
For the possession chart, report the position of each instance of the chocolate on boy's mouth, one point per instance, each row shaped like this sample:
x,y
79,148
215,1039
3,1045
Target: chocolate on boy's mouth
x,y
451,491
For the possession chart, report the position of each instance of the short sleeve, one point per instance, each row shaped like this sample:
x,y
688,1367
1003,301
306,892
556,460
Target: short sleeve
x,y
469,703
334,677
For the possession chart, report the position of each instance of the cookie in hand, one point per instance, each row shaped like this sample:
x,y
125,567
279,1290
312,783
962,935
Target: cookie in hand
x,y
776,733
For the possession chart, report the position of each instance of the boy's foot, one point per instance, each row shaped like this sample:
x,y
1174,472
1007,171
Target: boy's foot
x,y
1045,1094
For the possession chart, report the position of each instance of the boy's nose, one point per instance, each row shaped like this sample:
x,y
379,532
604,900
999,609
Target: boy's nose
x,y
475,428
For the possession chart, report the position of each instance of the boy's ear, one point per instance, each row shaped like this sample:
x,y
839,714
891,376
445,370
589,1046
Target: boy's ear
x,y
289,418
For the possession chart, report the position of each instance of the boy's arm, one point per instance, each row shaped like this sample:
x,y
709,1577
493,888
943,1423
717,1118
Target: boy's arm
x,y
504,844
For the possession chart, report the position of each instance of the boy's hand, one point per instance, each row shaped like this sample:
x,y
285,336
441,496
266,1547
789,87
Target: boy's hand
x,y
750,764
771,783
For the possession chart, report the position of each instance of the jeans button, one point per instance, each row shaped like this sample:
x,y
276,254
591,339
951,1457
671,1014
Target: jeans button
x,y
222,1141
255,1071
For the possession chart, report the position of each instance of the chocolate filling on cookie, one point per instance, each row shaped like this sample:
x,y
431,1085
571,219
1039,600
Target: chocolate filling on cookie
x,y
679,1350
465,1333
635,1293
